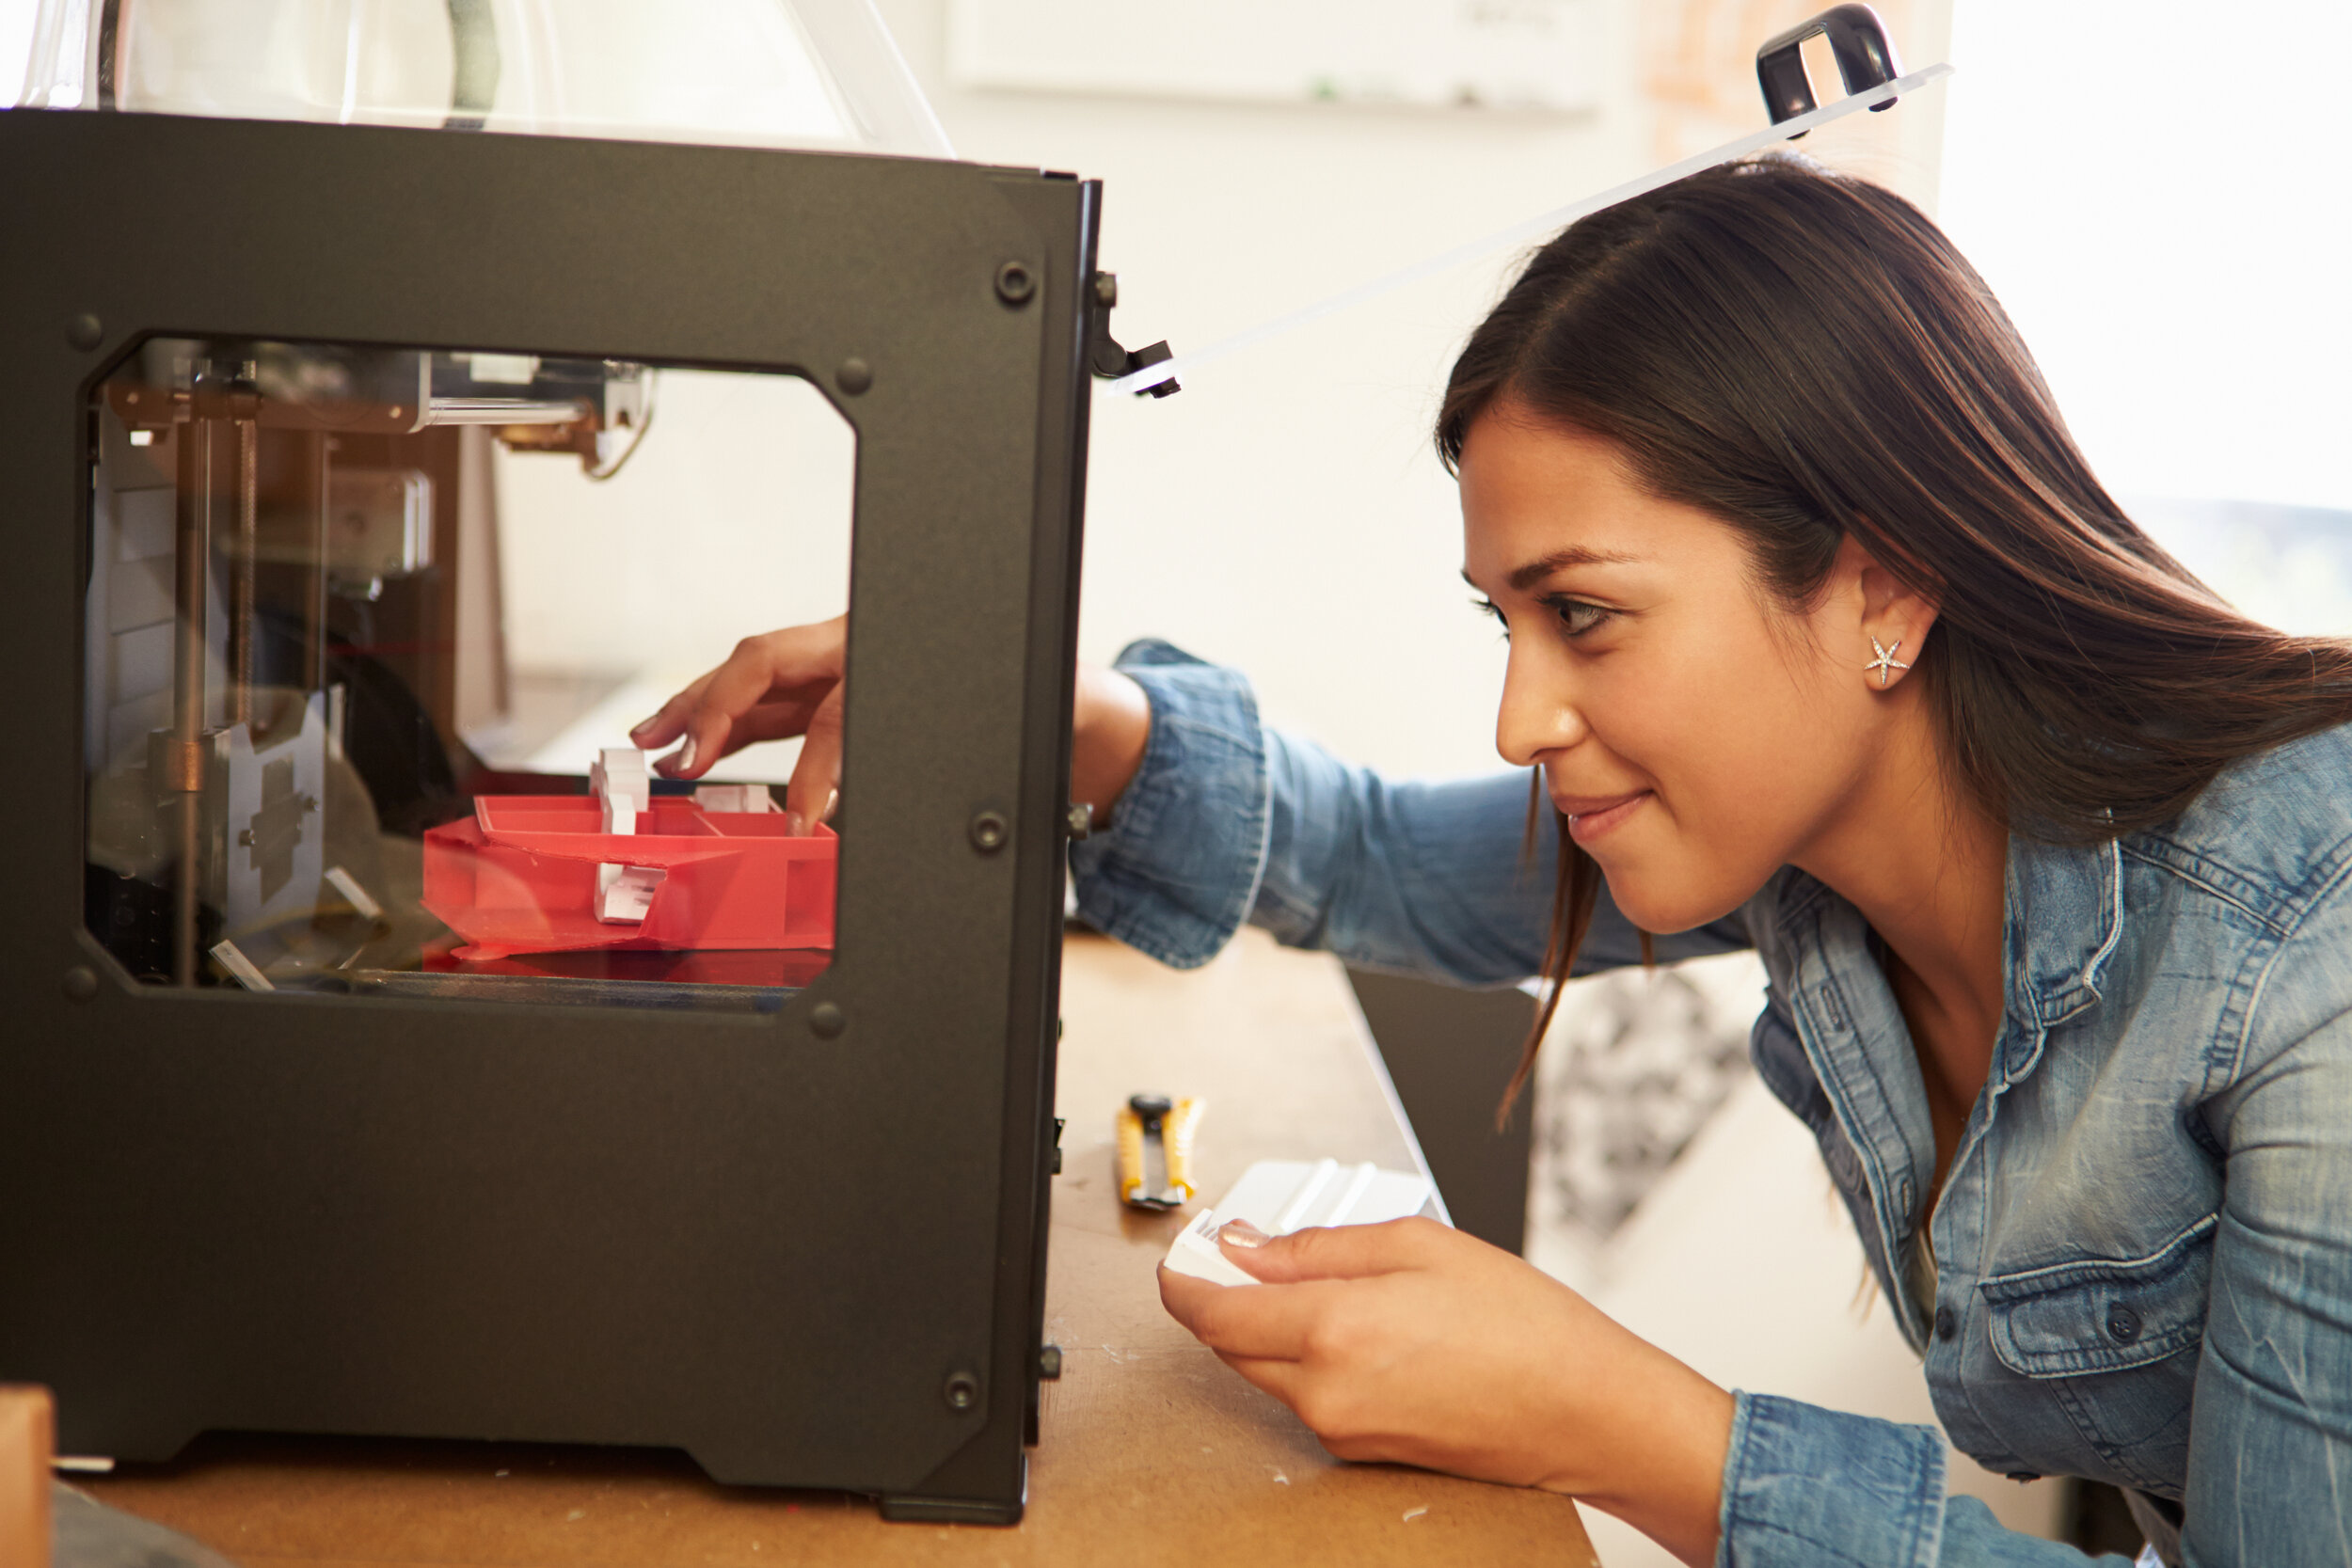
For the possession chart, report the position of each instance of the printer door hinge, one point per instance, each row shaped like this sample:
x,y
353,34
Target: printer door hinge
x,y
1103,354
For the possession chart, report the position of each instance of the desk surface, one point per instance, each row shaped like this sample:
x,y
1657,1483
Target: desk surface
x,y
1153,1451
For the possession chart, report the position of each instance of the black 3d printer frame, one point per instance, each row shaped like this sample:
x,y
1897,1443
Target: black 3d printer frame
x,y
806,1247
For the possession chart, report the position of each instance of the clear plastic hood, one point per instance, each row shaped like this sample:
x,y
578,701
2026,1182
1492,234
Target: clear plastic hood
x,y
822,75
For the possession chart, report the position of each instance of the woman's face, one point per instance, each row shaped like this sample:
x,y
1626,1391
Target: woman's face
x,y
1697,734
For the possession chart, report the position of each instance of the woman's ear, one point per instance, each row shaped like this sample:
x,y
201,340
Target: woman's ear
x,y
1890,618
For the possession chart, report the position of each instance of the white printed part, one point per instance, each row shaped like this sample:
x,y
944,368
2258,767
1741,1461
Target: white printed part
x,y
739,798
352,893
507,370
624,786
1195,1253
244,969
1302,1198
1283,1196
624,893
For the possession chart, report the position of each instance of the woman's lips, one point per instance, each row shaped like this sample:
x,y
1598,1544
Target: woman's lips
x,y
1590,817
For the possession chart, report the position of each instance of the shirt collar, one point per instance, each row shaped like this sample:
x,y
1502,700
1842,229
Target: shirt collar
x,y
2064,917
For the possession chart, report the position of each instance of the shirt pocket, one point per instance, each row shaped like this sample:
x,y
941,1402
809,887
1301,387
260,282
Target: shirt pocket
x,y
2103,1338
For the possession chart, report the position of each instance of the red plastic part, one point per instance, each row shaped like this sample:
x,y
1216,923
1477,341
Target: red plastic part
x,y
519,875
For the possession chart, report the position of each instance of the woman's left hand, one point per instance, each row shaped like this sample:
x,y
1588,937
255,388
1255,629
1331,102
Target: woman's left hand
x,y
1413,1342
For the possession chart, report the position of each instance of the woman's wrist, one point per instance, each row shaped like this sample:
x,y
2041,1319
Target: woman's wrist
x,y
1650,1439
1110,729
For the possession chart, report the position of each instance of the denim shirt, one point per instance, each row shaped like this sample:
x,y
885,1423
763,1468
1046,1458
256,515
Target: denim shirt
x,y
2143,1248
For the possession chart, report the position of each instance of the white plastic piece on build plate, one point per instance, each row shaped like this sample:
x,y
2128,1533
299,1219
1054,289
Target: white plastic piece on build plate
x,y
361,902
1283,1196
624,893
246,973
624,788
750,798
1541,227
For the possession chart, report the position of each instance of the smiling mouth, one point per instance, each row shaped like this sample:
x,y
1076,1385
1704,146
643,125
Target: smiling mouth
x,y
1590,817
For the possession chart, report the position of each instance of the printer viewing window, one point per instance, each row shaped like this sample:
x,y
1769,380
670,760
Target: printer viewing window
x,y
365,632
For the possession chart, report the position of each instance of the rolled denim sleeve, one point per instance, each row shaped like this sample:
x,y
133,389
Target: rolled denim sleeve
x,y
1177,871
1227,821
1805,1487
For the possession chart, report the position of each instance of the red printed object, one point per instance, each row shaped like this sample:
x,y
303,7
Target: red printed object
x,y
519,875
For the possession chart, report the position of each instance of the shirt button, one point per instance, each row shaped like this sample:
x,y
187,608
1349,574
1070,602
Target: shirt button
x,y
2123,1324
1947,1323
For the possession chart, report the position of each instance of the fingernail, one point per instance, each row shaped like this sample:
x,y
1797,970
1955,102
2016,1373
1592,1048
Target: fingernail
x,y
636,730
685,756
832,799
793,825
1241,1233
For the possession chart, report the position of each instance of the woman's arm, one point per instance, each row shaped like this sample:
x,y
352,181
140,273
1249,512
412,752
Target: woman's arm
x,y
1415,1344
1207,820
2270,1438
1225,821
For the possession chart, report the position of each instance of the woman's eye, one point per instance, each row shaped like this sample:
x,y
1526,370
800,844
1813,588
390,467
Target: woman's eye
x,y
1577,617
1487,606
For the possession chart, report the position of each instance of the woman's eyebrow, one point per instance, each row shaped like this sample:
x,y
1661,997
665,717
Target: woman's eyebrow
x,y
1534,572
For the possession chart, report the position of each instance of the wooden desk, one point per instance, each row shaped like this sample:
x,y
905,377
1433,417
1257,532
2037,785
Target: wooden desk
x,y
1153,1451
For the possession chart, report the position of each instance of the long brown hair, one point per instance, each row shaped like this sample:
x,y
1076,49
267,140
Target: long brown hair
x,y
1804,354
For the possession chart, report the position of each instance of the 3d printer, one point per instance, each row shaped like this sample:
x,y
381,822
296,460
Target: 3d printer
x,y
290,1146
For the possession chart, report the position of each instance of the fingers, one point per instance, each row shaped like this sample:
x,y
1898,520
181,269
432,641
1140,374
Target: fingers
x,y
1186,1296
808,800
1344,1252
1285,1380
670,722
788,669
1273,1324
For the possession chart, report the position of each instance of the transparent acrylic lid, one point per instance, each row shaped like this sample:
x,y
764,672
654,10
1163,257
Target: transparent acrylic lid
x,y
822,74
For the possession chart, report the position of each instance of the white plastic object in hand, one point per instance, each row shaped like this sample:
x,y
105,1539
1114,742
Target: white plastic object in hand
x,y
623,787
1283,1196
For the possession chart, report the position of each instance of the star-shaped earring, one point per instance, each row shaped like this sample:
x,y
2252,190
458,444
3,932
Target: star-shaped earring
x,y
1886,663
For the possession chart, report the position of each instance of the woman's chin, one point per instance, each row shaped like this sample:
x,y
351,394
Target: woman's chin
x,y
1663,904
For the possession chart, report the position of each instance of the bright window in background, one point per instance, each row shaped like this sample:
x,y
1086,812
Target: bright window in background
x,y
2159,197
16,46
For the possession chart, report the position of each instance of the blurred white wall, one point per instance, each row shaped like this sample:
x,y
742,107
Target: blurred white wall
x,y
16,43
731,517
2161,204
1284,512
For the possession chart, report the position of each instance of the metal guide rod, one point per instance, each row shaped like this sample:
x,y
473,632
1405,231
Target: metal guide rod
x,y
1540,226
316,451
244,609
185,764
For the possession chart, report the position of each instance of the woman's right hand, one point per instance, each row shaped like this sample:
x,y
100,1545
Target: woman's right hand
x,y
772,687
790,683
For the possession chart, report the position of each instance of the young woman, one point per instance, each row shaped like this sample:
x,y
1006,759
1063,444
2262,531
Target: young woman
x,y
1825,641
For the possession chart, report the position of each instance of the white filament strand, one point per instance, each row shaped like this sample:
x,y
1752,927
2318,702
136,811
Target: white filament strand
x,y
1539,227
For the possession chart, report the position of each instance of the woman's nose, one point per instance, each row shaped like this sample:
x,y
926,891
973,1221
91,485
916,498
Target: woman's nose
x,y
1538,715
